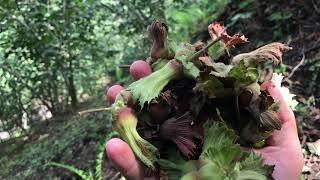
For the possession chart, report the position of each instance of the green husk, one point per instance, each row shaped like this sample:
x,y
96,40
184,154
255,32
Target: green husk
x,y
144,150
160,63
125,124
221,158
148,88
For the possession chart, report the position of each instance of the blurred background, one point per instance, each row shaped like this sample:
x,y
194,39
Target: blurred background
x,y
57,57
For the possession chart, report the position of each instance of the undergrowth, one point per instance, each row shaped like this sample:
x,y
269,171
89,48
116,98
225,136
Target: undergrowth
x,y
64,140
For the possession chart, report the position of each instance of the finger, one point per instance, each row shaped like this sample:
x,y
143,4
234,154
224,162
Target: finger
x,y
123,159
288,134
285,113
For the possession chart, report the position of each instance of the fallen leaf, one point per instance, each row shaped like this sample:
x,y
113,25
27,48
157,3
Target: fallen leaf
x,y
314,147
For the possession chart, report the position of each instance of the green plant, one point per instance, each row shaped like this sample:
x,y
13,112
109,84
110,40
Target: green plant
x,y
280,20
303,108
95,174
82,174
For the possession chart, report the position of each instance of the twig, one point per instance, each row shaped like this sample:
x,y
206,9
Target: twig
x,y
124,66
197,54
93,110
116,176
297,66
315,7
313,48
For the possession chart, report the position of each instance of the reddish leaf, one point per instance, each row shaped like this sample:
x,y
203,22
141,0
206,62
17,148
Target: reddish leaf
x,y
236,39
217,29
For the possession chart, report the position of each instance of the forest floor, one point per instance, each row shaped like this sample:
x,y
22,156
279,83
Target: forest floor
x,y
75,141
68,139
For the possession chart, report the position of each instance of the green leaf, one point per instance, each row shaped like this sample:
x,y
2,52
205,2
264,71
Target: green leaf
x,y
82,174
191,69
212,87
243,76
220,150
217,50
172,169
221,70
218,134
221,159
223,156
251,175
254,163
176,167
183,55
211,171
184,52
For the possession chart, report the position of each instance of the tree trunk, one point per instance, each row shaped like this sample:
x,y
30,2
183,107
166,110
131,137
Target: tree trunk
x,y
71,86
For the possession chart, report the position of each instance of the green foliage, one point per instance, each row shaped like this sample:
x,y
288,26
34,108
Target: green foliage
x,y
63,138
221,158
183,55
217,50
244,76
187,18
89,175
82,174
303,108
221,150
280,16
281,69
48,51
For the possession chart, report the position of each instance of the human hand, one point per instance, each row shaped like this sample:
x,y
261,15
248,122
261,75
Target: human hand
x,y
283,148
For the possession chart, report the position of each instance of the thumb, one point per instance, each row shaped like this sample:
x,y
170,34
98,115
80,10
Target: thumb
x,y
288,135
123,159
